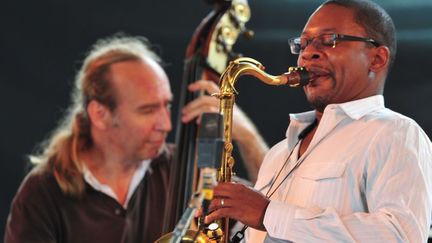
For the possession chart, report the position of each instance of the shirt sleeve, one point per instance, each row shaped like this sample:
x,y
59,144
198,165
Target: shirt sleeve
x,y
397,196
31,217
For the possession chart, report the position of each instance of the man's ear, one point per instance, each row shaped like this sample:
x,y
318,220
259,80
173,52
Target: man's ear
x,y
380,59
100,115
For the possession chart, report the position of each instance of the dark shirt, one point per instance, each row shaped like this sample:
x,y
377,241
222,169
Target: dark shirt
x,y
42,213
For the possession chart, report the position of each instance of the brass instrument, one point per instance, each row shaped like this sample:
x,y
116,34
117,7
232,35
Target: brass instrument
x,y
295,77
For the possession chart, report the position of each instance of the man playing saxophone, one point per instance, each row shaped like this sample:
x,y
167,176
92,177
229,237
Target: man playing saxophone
x,y
351,170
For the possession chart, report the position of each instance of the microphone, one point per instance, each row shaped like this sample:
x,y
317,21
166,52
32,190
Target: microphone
x,y
210,144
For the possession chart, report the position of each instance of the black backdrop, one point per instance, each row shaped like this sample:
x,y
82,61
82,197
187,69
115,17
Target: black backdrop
x,y
43,42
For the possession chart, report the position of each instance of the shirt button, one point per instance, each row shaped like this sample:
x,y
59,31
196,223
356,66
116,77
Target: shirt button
x,y
117,211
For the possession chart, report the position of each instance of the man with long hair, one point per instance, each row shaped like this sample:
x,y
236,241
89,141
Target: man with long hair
x,y
103,174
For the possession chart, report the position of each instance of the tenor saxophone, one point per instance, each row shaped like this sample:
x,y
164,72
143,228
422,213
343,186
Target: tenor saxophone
x,y
295,77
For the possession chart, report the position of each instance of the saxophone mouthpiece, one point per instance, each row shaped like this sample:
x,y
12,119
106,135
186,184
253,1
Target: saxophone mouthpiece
x,y
297,77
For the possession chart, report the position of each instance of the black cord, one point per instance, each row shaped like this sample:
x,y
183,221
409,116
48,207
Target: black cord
x,y
268,194
301,136
239,235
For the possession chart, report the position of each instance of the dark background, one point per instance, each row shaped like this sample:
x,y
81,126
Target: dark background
x,y
43,42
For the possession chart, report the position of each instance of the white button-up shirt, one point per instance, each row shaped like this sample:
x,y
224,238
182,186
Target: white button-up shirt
x,y
136,179
365,177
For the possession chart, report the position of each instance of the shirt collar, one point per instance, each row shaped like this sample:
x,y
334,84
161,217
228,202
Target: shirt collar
x,y
358,108
355,109
136,179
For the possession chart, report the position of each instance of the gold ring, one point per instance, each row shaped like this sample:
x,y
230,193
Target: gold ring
x,y
222,202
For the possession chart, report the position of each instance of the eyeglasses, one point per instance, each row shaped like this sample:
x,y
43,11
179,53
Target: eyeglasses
x,y
298,44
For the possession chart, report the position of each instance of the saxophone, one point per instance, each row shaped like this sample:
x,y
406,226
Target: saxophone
x,y
295,77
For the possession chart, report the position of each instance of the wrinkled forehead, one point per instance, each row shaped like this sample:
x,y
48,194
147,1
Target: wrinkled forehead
x,y
142,77
332,18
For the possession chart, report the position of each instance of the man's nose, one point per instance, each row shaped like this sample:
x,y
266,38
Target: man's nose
x,y
164,123
311,52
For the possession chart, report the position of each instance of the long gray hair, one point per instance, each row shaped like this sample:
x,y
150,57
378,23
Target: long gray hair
x,y
59,153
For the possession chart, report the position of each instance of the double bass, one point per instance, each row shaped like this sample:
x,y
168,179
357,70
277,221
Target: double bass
x,y
207,55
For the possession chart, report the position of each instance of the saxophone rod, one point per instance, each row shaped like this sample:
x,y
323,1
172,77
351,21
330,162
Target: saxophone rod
x,y
295,77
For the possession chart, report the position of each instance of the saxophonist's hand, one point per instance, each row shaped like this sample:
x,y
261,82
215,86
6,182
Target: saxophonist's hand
x,y
239,202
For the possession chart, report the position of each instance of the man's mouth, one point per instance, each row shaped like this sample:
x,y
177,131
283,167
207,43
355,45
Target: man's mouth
x,y
317,74
157,142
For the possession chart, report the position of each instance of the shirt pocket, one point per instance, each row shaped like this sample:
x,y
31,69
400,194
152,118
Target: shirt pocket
x,y
318,184
322,171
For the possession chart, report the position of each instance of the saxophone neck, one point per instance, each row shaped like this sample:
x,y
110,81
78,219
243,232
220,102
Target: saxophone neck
x,y
295,77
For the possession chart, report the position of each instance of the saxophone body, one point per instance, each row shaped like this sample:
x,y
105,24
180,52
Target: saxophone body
x,y
295,77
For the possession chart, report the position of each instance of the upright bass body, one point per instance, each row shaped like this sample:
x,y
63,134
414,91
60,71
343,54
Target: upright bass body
x,y
207,55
